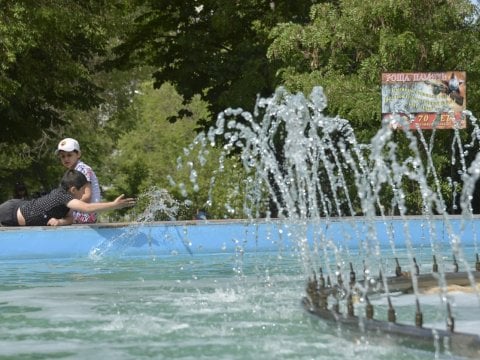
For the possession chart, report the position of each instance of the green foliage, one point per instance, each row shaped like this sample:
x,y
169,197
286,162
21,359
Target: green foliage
x,y
59,78
49,54
346,45
146,156
215,48
47,64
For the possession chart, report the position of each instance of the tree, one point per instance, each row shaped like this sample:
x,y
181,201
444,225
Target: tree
x,y
215,48
47,64
347,44
52,83
158,153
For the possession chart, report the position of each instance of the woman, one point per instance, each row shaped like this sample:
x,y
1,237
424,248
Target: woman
x,y
56,208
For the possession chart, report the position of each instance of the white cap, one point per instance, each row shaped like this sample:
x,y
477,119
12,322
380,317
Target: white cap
x,y
68,144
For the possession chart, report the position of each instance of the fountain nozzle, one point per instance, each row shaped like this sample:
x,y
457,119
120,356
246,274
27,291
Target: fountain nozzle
x,y
321,283
369,309
418,315
392,317
455,264
417,269
352,276
398,269
350,309
450,319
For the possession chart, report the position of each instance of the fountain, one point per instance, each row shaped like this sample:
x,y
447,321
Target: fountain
x,y
327,223
345,206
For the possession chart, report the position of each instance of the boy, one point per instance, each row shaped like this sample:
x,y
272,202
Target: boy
x,y
57,207
68,150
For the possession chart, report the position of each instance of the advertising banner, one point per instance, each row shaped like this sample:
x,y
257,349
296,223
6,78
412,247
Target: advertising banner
x,y
433,99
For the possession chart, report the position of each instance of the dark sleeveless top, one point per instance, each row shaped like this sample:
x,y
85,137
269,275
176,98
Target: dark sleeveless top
x,y
37,212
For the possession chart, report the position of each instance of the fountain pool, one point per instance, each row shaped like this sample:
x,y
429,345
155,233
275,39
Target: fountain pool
x,y
238,298
234,290
209,305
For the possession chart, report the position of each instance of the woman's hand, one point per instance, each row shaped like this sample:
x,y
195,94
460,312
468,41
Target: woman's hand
x,y
53,222
59,222
121,202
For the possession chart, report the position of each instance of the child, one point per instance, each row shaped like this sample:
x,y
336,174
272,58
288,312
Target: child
x,y
68,151
20,191
57,207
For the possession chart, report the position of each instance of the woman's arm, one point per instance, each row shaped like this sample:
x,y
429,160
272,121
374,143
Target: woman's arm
x,y
119,203
67,220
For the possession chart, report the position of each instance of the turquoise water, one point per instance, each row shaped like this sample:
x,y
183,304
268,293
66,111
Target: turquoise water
x,y
211,306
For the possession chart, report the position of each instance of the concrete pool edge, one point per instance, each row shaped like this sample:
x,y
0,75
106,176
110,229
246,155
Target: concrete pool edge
x,y
229,236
